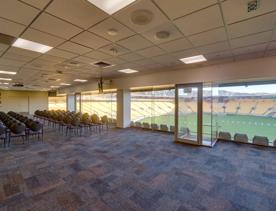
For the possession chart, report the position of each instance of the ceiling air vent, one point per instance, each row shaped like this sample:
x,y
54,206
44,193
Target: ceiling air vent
x,y
253,5
18,85
102,64
6,39
59,72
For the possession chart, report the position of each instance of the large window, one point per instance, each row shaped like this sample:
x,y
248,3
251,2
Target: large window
x,y
100,104
246,109
153,107
57,103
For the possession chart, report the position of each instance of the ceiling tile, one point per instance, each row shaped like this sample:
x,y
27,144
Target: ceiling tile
x,y
203,20
131,57
10,28
167,27
84,59
124,15
135,42
41,37
165,59
178,8
90,40
114,50
98,55
74,47
235,11
219,55
115,61
176,45
17,11
3,47
24,52
38,4
17,57
84,15
61,53
9,62
217,47
55,26
250,49
103,27
208,37
251,26
152,51
185,53
251,40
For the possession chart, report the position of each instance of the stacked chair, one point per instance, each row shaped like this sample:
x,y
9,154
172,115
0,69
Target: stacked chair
x,y
14,125
71,122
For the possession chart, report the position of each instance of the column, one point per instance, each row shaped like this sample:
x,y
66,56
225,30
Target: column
x,y
71,102
123,108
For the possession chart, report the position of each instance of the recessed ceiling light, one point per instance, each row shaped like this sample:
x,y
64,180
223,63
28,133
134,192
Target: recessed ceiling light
x,y
64,84
80,80
128,71
5,79
30,45
194,59
112,32
7,72
111,6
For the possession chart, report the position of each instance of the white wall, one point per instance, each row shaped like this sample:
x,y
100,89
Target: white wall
x,y
23,101
261,68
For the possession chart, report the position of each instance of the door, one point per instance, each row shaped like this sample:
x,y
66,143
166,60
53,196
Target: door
x,y
188,113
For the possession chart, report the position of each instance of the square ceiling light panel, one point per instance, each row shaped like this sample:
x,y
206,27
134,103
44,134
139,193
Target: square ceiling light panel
x,y
32,46
111,6
193,59
128,71
7,72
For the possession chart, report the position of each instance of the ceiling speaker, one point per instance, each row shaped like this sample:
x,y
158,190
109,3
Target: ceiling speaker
x,y
141,17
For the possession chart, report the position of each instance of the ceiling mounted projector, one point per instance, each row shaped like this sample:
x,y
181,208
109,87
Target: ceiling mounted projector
x,y
141,17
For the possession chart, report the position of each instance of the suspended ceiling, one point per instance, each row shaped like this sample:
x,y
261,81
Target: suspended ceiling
x,y
78,31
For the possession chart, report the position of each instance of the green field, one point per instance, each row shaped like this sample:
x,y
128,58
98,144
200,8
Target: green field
x,y
250,125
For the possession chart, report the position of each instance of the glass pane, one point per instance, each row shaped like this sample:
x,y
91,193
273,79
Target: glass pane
x,y
187,113
246,111
57,103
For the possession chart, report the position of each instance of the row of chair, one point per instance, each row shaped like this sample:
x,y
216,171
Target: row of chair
x,y
14,125
243,138
71,122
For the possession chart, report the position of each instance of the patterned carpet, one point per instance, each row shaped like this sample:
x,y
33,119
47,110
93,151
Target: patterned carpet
x,y
135,170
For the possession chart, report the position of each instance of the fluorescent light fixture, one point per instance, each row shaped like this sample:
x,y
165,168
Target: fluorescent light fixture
x,y
7,72
64,84
30,45
194,59
5,79
111,6
128,71
4,83
54,87
80,80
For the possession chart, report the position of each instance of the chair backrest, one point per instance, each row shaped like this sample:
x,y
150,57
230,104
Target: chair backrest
x,y
146,125
104,119
95,118
164,127
239,137
224,136
260,140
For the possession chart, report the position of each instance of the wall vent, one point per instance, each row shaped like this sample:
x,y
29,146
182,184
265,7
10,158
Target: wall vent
x,y
253,5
